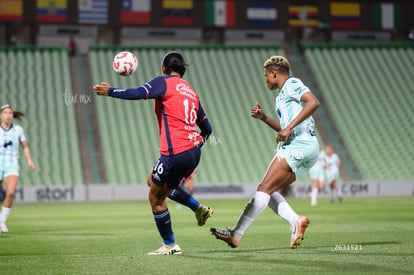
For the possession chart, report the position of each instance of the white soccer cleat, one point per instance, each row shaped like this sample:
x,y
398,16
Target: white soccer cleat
x,y
225,235
3,228
166,249
203,213
298,231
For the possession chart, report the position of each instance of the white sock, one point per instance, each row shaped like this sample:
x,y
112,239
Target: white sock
x,y
314,195
5,212
252,209
280,206
338,188
334,192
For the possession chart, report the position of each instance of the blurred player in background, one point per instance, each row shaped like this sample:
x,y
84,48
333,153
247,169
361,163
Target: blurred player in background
x,y
188,183
297,152
11,136
178,110
332,164
317,174
2,194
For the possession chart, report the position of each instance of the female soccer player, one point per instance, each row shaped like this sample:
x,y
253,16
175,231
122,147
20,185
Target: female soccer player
x,y
317,174
179,112
11,135
332,164
188,183
297,151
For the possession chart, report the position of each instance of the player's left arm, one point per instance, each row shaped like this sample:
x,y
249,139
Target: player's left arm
x,y
26,152
311,104
338,163
203,123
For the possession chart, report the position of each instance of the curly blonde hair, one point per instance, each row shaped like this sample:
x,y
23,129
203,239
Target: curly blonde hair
x,y
278,63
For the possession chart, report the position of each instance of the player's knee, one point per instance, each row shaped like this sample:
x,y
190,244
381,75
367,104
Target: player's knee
x,y
10,195
157,203
154,201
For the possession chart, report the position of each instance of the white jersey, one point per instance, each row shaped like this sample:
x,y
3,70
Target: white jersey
x,y
320,163
332,163
289,105
9,145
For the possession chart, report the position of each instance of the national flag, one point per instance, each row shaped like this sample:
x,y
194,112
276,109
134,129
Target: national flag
x,y
52,10
303,16
93,11
11,10
345,15
177,12
136,12
261,14
387,16
220,13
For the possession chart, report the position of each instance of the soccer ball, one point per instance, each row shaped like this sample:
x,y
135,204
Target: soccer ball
x,y
125,63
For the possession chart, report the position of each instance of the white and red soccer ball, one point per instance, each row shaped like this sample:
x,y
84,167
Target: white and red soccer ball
x,y
125,63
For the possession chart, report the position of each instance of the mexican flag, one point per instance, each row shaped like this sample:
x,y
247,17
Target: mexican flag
x,y
387,16
220,13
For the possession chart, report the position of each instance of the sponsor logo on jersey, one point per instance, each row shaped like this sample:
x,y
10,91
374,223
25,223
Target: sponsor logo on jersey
x,y
9,143
184,89
156,176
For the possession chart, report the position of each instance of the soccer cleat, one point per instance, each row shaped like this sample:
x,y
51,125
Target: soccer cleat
x,y
225,235
166,249
3,228
203,213
298,231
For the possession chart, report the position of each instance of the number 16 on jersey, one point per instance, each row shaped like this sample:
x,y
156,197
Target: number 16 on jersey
x,y
190,114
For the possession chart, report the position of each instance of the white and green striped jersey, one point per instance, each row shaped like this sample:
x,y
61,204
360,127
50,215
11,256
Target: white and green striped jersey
x,y
320,163
289,105
9,145
332,163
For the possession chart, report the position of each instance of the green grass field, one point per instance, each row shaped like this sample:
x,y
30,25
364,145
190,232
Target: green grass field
x,y
373,235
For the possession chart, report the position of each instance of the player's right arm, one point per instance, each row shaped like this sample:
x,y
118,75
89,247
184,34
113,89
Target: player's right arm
x,y
258,113
154,88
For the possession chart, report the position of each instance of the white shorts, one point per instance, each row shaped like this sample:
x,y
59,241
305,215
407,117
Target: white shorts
x,y
300,155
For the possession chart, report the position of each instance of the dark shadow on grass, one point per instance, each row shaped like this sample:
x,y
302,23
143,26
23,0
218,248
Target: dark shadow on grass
x,y
48,233
315,249
379,243
363,244
83,234
250,256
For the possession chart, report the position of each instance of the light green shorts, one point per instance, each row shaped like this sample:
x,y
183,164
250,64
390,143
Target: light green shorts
x,y
330,176
9,170
317,172
300,155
